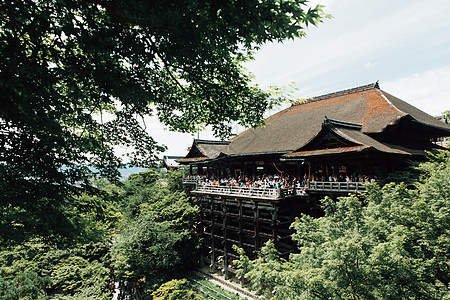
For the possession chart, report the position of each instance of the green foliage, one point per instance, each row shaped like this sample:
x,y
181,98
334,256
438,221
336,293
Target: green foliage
x,y
266,276
417,173
174,290
77,78
148,218
391,243
74,274
25,285
30,271
73,267
243,264
447,115
157,234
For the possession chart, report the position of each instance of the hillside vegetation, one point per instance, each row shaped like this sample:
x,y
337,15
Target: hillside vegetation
x,y
143,229
389,243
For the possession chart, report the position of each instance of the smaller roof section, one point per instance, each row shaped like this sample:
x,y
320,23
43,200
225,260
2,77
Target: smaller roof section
x,y
202,150
337,137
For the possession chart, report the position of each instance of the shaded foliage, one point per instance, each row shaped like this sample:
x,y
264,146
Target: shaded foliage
x,y
37,269
78,77
75,266
148,217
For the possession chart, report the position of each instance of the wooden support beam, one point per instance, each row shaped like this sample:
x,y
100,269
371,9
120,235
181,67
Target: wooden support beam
x,y
253,170
225,242
213,257
256,226
274,223
361,171
201,229
241,234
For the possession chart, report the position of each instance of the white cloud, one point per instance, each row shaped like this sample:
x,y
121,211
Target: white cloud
x,y
368,65
428,91
389,35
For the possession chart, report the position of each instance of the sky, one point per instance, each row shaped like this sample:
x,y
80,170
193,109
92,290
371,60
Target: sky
x,y
403,44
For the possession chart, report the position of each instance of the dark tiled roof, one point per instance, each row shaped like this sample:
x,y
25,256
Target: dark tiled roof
x,y
416,113
292,128
319,152
192,159
211,149
357,141
363,139
203,150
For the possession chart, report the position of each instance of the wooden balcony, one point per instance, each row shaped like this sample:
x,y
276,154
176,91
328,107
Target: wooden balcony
x,y
274,194
246,192
191,181
344,187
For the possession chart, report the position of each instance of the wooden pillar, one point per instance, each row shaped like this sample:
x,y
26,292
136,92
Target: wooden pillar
x,y
213,256
310,176
275,223
225,242
361,171
256,225
201,230
241,234
253,170
384,171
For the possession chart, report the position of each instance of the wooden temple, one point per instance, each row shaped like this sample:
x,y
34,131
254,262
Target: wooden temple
x,y
328,145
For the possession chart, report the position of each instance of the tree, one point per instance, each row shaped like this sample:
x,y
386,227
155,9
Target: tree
x,y
263,273
175,289
74,267
446,114
37,269
77,78
157,236
391,243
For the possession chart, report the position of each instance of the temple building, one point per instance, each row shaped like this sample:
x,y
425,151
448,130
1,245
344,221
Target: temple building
x,y
251,188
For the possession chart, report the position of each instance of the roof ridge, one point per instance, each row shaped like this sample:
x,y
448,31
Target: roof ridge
x,y
217,142
339,123
340,93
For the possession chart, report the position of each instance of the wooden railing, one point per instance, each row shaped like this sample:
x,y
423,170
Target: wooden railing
x,y
271,193
347,187
187,180
240,191
286,192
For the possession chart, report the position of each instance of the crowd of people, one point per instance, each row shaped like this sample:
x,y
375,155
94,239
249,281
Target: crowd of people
x,y
348,178
275,181
264,181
